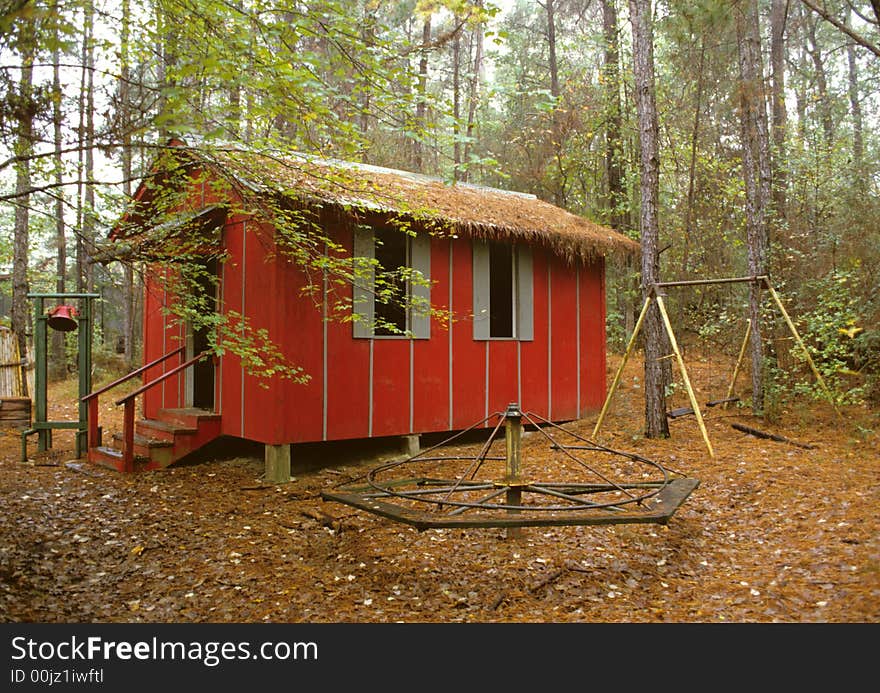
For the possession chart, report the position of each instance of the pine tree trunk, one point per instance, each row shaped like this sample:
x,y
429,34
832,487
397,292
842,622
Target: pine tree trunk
x,y
756,171
473,92
692,167
613,141
80,168
824,100
616,201
555,127
58,369
89,215
855,104
20,316
456,106
421,103
128,321
656,425
778,20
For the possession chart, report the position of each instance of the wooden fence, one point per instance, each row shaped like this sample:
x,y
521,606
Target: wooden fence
x,y
15,407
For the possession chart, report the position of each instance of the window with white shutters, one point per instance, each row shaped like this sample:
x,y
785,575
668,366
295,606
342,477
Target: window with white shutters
x,y
503,291
399,304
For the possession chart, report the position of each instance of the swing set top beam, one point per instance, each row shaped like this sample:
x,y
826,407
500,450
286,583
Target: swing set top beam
x,y
701,282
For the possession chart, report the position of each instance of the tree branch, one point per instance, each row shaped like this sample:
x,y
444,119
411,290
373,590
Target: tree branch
x,y
824,14
53,186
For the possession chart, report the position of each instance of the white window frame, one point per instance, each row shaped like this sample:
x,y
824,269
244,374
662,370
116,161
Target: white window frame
x,y
523,298
418,322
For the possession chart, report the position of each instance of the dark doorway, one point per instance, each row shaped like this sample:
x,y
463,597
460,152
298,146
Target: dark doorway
x,y
203,371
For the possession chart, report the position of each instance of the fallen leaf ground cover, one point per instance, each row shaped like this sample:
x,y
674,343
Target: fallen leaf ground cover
x,y
775,532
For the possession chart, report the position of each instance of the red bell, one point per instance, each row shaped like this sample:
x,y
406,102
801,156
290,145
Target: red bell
x,y
61,318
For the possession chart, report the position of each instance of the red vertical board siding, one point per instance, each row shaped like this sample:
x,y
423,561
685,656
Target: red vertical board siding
x,y
175,386
469,356
264,306
301,335
564,341
408,388
348,371
163,333
431,356
154,322
593,377
533,354
503,384
391,386
230,364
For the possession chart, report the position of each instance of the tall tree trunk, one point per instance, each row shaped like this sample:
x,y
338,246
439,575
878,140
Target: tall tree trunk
x,y
58,368
368,35
456,106
855,104
89,216
778,21
692,166
756,172
21,229
801,84
81,157
616,201
559,183
473,92
656,425
422,103
166,50
125,121
815,51
613,140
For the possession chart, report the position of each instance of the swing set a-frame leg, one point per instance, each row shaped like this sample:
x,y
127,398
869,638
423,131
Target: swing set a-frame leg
x,y
684,375
739,361
803,347
616,381
632,340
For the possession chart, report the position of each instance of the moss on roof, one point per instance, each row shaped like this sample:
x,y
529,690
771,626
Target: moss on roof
x,y
452,209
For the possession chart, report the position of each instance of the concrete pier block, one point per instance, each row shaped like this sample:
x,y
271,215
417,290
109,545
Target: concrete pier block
x,y
410,445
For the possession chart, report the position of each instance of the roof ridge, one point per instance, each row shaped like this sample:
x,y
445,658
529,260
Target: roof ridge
x,y
409,175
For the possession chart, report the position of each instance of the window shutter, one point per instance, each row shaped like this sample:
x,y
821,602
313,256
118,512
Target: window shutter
x,y
481,289
362,289
420,261
525,295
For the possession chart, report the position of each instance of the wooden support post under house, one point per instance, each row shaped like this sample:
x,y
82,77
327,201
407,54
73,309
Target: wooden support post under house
x,y
277,464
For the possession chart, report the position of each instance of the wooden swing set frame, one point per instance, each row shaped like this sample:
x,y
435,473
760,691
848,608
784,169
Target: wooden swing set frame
x,y
654,294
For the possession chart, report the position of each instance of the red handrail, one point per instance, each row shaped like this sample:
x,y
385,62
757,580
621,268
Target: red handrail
x,y
167,374
128,412
133,374
92,398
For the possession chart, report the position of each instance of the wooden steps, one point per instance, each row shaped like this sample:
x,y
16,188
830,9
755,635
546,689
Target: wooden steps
x,y
160,442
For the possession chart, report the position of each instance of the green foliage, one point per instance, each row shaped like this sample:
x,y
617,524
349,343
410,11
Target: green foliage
x,y
835,334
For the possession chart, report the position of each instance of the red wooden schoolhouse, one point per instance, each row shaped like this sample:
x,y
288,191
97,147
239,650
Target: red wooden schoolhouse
x,y
521,281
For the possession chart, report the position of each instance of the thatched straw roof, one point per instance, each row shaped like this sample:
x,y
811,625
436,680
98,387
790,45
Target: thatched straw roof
x,y
459,209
